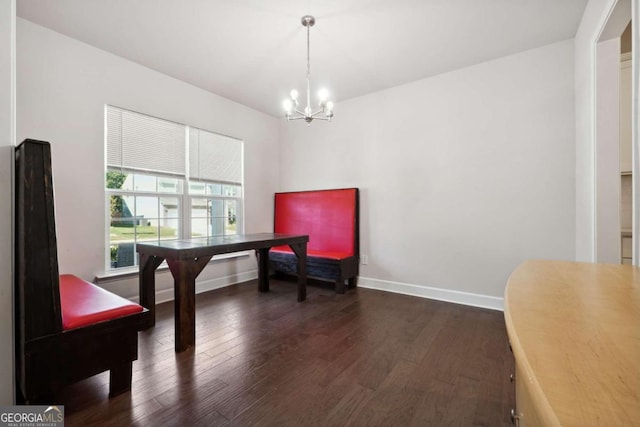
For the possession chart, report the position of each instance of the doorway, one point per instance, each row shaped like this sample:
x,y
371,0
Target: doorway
x,y
616,140
626,152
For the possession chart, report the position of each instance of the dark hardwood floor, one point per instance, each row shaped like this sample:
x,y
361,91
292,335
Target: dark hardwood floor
x,y
364,358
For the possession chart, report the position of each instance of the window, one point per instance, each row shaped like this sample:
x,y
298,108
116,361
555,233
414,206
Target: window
x,y
165,181
215,167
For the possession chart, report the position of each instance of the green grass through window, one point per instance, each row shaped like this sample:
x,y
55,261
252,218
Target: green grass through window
x,y
144,232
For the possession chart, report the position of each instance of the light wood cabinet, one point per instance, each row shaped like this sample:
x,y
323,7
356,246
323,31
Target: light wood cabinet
x,y
573,328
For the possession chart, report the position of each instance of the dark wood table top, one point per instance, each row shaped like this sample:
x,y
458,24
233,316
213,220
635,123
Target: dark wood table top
x,y
202,246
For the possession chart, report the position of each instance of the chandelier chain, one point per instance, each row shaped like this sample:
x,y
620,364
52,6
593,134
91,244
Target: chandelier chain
x,y
308,70
308,52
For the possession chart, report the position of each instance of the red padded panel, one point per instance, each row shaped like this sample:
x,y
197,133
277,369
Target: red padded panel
x,y
311,252
84,303
327,216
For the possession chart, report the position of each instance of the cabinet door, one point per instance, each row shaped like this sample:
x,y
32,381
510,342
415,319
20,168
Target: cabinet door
x,y
525,411
529,409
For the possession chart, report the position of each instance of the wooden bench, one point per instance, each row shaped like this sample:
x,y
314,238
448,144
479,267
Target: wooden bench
x,y
67,329
331,219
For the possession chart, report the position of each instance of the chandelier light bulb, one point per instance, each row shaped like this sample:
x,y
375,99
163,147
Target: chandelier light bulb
x,y
294,94
329,106
288,106
323,94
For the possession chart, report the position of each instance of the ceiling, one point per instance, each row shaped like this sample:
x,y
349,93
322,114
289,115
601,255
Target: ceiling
x,y
254,51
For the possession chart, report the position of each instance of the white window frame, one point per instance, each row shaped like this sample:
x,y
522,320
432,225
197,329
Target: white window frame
x,y
187,207
184,197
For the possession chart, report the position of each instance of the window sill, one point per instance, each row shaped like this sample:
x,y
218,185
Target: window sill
x,y
126,273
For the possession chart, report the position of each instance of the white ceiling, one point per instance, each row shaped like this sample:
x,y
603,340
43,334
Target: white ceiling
x,y
254,51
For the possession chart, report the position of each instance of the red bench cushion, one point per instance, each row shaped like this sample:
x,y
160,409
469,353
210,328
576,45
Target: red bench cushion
x,y
84,303
312,253
327,216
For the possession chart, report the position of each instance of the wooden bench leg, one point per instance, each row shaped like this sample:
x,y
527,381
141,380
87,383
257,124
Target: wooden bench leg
x,y
44,397
340,288
120,379
353,281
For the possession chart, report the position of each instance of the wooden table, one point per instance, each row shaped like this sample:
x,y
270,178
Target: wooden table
x,y
186,259
575,333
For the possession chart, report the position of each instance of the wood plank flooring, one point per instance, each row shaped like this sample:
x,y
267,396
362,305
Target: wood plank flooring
x,y
365,358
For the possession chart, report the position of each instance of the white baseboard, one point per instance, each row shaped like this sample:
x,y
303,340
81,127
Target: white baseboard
x,y
466,298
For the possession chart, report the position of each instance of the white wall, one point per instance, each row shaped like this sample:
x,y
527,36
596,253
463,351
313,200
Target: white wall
x,y
62,87
463,175
7,127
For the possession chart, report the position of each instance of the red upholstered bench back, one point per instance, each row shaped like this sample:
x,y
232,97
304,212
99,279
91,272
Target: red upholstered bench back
x,y
329,217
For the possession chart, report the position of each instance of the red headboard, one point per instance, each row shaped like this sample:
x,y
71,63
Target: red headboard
x,y
329,217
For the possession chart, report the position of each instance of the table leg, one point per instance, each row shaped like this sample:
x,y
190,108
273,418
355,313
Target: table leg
x,y
147,284
263,269
300,249
184,273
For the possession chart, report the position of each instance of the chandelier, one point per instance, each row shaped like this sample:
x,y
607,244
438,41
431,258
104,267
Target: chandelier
x,y
291,105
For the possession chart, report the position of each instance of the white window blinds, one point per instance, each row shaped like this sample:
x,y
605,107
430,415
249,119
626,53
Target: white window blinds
x,y
214,157
144,143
